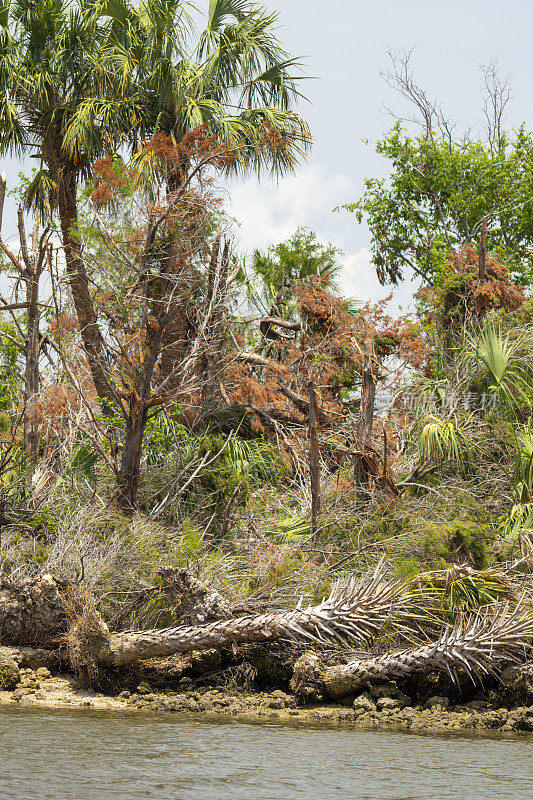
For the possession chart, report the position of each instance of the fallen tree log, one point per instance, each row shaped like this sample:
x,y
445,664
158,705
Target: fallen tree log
x,y
354,612
479,643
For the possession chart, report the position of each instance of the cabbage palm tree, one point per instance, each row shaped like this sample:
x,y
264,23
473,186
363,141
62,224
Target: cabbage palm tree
x,y
79,78
499,366
49,66
234,77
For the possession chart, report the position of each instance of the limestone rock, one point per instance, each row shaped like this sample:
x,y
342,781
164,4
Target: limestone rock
x,y
437,703
390,703
9,674
365,702
306,682
32,612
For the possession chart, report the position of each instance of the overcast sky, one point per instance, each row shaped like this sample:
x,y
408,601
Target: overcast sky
x,y
344,44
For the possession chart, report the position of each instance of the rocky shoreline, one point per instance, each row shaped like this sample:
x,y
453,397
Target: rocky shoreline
x,y
381,706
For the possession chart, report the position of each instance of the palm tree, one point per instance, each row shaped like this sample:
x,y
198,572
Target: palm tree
x,y
234,77
272,274
79,78
499,366
49,67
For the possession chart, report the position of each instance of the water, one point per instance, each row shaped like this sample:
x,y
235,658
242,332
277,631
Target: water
x,y
63,755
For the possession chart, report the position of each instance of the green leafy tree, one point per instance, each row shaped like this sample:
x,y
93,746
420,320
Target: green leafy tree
x,y
436,197
446,185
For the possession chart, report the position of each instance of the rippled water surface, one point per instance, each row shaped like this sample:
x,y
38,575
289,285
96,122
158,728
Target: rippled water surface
x,y
62,755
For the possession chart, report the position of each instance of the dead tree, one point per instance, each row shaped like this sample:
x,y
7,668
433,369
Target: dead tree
x,y
482,253
214,304
366,410
314,459
479,643
30,262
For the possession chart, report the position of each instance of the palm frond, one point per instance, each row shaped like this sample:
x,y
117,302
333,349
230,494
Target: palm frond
x,y
444,441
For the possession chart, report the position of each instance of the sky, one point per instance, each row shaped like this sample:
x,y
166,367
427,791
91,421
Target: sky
x,y
344,45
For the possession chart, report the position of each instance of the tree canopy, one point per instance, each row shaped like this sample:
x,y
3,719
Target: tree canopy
x,y
437,195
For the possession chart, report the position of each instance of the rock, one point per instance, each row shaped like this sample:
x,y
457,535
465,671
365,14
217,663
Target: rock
x,y
389,704
517,684
125,695
437,703
144,688
389,689
365,702
32,612
477,705
9,674
306,682
43,673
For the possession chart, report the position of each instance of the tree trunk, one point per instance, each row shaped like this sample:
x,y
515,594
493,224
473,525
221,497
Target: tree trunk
x,y
478,643
355,612
31,372
482,253
216,298
314,459
93,341
130,466
366,410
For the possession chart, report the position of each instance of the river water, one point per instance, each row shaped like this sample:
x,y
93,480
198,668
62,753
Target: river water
x,y
75,755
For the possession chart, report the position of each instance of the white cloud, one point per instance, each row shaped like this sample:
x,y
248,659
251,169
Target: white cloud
x,y
269,212
358,278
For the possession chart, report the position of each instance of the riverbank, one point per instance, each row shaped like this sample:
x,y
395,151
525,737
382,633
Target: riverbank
x,y
39,688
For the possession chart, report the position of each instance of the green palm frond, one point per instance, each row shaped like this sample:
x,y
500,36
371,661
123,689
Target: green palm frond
x,y
459,589
498,365
41,193
255,458
524,466
292,529
444,441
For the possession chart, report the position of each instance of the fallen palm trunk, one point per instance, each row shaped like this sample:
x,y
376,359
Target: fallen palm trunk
x,y
479,644
354,612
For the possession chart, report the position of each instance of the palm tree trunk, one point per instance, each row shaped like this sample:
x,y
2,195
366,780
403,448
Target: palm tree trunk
x,y
93,341
477,645
356,611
